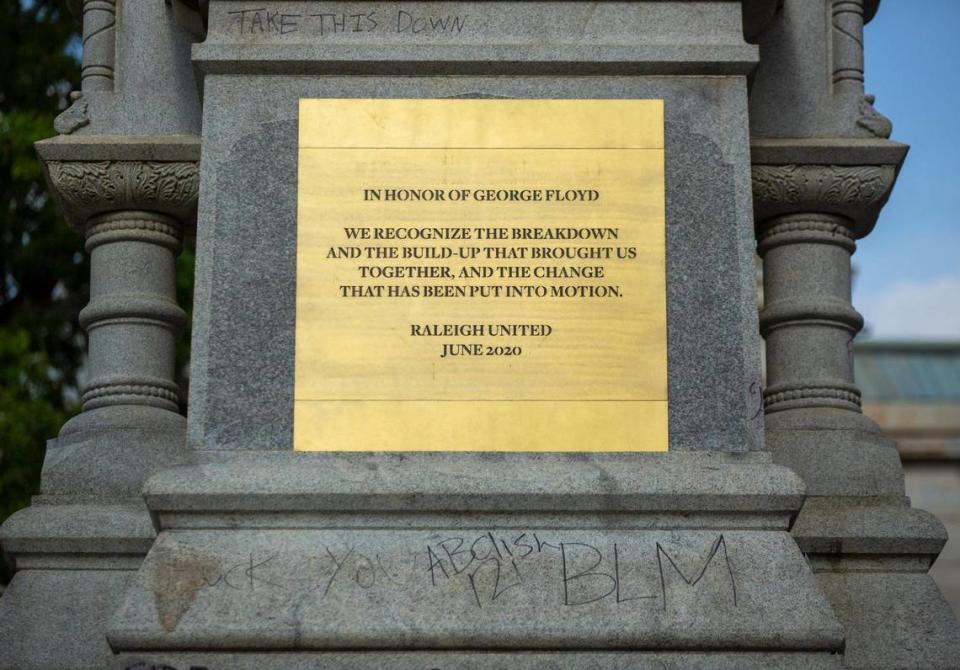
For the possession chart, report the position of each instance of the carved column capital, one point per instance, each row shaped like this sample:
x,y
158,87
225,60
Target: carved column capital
x,y
838,177
856,192
91,175
87,188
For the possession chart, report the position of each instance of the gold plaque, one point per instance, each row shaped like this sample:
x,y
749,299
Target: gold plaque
x,y
481,275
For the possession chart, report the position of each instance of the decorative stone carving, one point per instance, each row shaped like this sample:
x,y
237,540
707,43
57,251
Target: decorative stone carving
x,y
787,232
159,393
74,117
873,121
829,184
853,191
132,229
133,212
846,22
88,188
800,395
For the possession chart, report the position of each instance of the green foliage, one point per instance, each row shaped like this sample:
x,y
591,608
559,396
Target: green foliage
x,y
26,417
42,266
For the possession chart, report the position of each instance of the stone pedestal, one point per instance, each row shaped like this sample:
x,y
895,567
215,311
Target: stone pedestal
x,y
382,559
378,558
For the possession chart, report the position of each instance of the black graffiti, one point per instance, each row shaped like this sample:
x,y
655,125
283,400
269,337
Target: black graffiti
x,y
720,543
263,21
248,574
496,567
141,665
488,568
589,583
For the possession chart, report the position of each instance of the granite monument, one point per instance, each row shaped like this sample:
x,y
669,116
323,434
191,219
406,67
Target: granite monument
x,y
753,524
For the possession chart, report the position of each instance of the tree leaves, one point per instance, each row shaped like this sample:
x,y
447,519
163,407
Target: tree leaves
x,y
43,270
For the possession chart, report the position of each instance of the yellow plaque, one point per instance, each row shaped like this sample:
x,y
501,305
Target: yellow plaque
x,y
481,275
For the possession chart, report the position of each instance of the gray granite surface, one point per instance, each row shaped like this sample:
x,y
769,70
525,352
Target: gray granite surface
x,y
474,37
268,558
54,619
486,588
893,621
681,483
460,660
242,373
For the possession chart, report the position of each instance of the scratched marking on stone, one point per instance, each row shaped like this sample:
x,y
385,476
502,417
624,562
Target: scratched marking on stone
x,y
479,571
263,21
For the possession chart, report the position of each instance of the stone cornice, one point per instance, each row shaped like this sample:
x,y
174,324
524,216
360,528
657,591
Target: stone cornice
x,y
518,38
827,151
120,147
757,15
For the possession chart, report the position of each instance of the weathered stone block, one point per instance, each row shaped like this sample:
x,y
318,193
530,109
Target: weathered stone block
x,y
55,619
497,588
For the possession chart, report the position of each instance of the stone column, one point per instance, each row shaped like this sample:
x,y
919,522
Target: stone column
x,y
847,18
869,549
124,170
823,166
99,44
847,32
133,214
133,317
808,219
807,319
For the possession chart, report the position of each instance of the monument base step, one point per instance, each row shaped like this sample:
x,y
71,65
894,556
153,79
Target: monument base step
x,y
466,660
513,588
434,552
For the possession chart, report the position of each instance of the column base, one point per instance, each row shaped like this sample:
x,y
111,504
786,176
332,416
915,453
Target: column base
x,y
893,621
54,619
286,560
835,452
76,547
110,451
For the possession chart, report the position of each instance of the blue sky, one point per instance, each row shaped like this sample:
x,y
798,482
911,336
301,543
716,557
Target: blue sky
x,y
908,269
